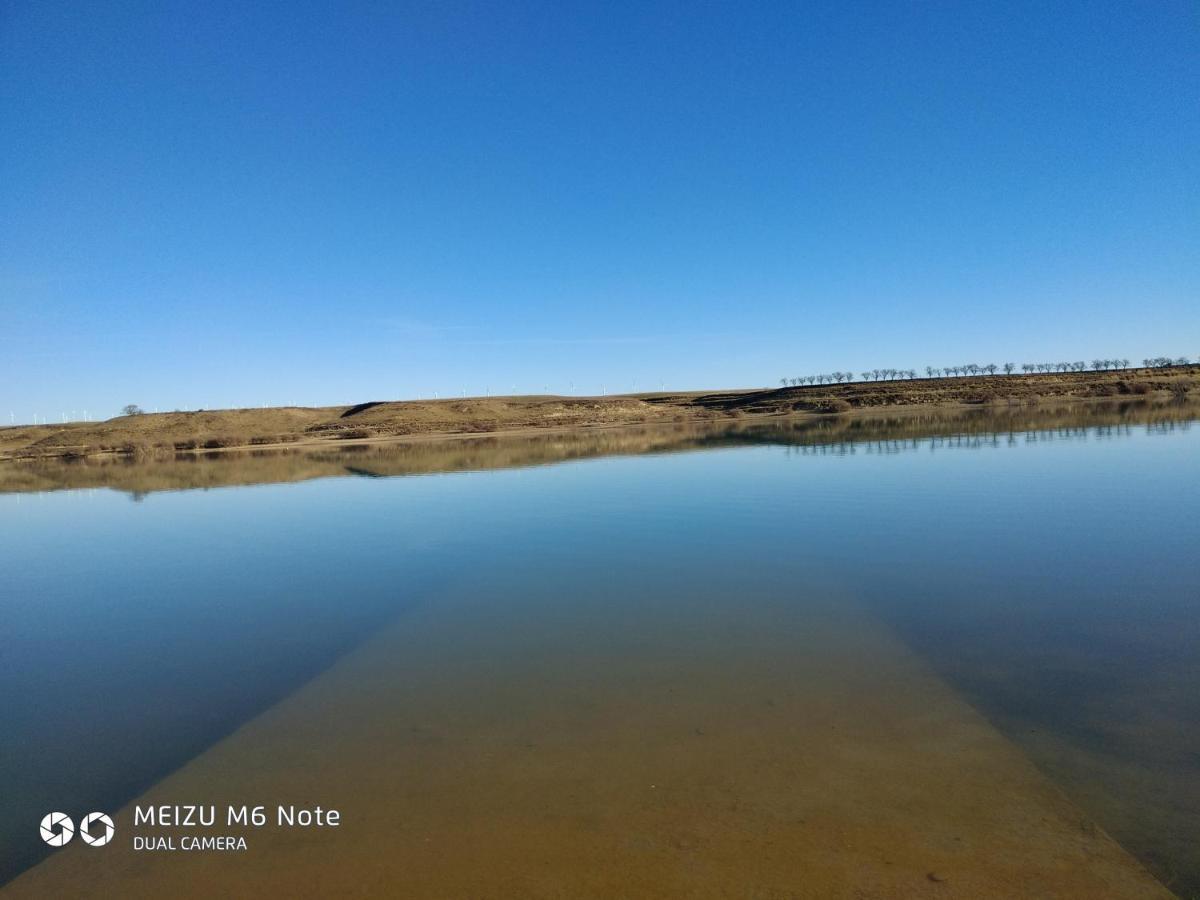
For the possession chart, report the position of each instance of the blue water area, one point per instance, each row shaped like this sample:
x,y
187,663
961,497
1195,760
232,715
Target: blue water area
x,y
1048,573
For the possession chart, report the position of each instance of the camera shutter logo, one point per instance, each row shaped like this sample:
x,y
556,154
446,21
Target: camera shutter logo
x,y
57,829
96,829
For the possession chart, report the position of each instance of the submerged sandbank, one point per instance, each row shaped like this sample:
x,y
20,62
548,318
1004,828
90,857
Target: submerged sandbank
x,y
579,744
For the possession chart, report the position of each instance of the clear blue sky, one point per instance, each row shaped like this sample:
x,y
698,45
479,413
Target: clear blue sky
x,y
211,205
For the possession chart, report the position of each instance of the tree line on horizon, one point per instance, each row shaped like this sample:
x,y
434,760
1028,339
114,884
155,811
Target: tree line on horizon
x,y
969,369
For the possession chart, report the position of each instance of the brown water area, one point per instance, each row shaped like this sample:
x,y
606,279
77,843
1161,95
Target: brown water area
x,y
801,751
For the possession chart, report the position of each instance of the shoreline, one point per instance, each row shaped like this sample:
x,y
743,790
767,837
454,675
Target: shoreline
x,y
203,432
436,454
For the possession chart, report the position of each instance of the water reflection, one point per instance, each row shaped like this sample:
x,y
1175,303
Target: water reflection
x,y
985,441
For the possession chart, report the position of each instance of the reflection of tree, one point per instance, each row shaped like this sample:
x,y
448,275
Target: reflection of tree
x,y
985,439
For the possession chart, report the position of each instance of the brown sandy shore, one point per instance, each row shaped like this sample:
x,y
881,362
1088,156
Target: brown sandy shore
x,y
167,434
801,752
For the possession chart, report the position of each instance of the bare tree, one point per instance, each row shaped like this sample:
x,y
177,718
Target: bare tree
x,y
950,371
131,409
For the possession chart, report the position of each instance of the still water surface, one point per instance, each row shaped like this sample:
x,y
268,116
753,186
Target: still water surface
x,y
682,651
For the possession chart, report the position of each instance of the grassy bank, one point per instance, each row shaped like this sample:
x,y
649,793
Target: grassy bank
x,y
892,431
167,434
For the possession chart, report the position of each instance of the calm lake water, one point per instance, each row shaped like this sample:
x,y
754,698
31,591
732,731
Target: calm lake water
x,y
451,630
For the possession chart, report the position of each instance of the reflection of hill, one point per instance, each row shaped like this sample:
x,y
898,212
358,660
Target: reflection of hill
x,y
958,428
996,431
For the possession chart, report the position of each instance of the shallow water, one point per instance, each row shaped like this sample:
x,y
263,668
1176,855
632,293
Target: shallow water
x,y
693,608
